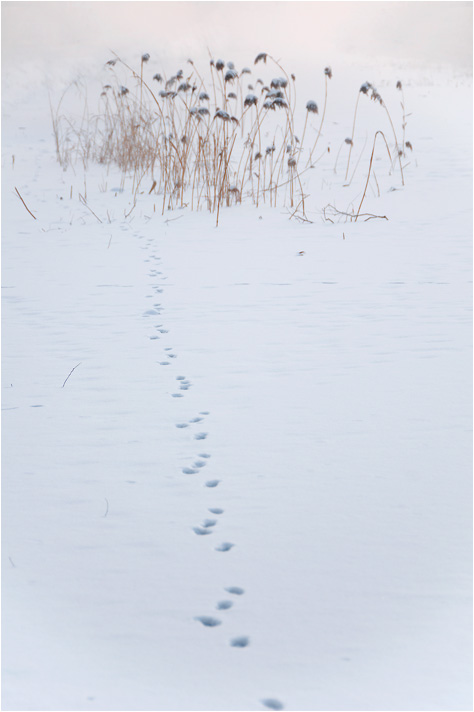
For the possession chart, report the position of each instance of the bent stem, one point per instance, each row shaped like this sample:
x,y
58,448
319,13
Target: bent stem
x,y
352,136
370,168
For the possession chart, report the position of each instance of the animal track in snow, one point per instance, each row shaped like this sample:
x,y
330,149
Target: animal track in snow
x,y
188,471
225,546
205,455
180,378
195,420
200,436
224,605
201,531
216,510
204,412
240,642
208,621
209,523
272,704
175,395
164,363
182,425
212,483
199,463
236,590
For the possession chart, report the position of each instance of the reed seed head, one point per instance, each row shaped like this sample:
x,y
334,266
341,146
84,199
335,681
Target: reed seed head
x,y
278,83
279,103
365,88
230,75
145,57
203,96
348,141
312,107
220,65
399,85
158,78
328,72
220,114
262,57
408,145
250,100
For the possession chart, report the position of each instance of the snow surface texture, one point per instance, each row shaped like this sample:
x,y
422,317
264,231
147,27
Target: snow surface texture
x,y
253,491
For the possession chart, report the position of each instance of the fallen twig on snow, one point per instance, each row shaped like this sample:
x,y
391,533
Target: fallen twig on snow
x,y
368,216
72,370
18,193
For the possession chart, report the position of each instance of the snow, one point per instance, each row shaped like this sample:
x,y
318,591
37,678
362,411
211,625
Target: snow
x,y
270,414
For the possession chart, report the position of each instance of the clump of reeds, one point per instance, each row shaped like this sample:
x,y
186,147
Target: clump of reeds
x,y
209,140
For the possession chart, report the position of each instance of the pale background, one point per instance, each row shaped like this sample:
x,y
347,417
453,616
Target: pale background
x,y
436,33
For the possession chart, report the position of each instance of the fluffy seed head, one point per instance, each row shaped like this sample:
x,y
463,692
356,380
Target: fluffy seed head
x,y
230,75
312,107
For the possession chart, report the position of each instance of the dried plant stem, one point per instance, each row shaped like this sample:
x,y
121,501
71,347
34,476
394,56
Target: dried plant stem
x,y
377,133
27,208
322,119
352,136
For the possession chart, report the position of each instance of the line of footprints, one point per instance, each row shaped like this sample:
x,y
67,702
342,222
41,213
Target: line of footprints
x,y
207,526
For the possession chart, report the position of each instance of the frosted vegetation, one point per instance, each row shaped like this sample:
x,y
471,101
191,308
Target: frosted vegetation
x,y
223,136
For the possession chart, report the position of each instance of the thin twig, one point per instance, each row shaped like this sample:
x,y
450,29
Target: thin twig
x,y
107,507
70,374
83,201
368,216
18,193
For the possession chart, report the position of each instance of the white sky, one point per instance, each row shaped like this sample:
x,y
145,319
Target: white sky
x,y
436,32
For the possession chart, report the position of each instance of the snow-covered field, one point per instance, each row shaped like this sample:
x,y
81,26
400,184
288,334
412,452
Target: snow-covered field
x,y
254,488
